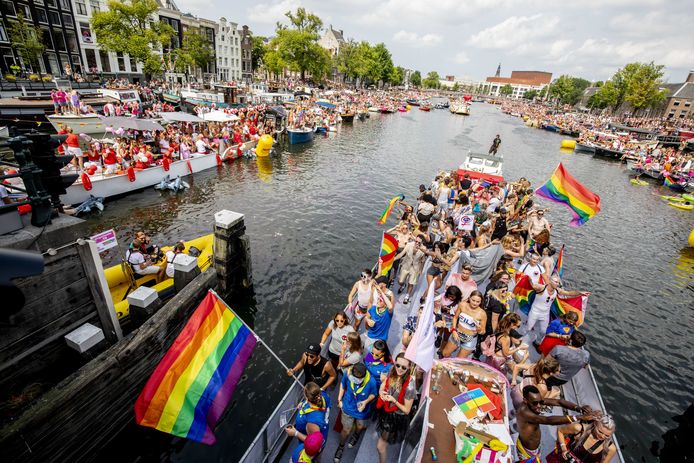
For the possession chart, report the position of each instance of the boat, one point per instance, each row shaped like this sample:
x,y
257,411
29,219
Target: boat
x,y
347,117
688,197
321,129
402,109
387,110
374,109
463,110
297,136
111,186
636,181
606,152
425,108
90,124
412,102
362,115
684,206
482,166
674,199
122,280
549,127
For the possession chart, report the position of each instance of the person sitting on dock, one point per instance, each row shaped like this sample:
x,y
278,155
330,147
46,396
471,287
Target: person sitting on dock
x,y
356,398
313,416
317,369
529,419
141,263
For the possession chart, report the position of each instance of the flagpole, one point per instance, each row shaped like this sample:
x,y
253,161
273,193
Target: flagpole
x,y
561,251
378,262
258,338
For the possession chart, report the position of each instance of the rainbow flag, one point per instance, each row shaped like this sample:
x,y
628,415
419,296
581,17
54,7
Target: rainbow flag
x,y
559,266
564,304
524,292
562,188
389,208
389,247
192,385
534,459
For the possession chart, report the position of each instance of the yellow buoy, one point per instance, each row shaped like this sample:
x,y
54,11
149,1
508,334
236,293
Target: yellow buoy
x,y
408,107
568,144
262,149
691,238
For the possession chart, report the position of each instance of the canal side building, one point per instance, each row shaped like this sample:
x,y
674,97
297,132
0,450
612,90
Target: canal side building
x,y
229,58
520,81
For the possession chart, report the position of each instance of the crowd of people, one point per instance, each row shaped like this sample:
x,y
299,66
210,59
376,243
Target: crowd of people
x,y
471,241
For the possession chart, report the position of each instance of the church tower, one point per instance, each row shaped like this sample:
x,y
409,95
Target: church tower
x,y
498,71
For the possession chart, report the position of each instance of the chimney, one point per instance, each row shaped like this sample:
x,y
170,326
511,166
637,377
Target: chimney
x,y
690,77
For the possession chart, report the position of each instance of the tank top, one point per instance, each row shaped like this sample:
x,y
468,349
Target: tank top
x,y
543,301
315,372
467,321
363,295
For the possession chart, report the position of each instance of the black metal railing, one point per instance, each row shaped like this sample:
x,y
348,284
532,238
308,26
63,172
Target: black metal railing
x,y
30,85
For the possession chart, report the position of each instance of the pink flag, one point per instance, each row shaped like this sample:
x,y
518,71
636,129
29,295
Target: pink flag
x,y
422,349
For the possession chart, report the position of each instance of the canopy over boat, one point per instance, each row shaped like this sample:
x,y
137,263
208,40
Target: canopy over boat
x,y
219,116
179,117
132,123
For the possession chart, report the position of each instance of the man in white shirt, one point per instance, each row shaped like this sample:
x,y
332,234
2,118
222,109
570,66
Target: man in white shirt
x,y
201,146
171,258
141,264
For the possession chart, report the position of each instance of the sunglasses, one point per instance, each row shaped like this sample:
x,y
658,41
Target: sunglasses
x,y
364,276
311,356
404,367
340,321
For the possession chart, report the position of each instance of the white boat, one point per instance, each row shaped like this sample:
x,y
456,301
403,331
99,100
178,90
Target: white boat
x,y
109,186
463,109
91,124
482,166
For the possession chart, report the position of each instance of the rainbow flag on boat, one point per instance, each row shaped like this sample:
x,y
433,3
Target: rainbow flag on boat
x,y
562,188
559,266
389,208
389,248
194,381
525,295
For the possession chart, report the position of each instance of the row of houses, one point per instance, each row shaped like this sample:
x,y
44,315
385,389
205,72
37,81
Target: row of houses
x,y
72,48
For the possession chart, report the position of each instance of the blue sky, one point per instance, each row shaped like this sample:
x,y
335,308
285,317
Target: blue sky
x,y
469,38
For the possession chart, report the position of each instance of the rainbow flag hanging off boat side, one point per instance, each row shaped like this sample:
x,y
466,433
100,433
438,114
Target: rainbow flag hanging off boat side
x,y
562,188
559,266
389,247
389,208
192,385
525,295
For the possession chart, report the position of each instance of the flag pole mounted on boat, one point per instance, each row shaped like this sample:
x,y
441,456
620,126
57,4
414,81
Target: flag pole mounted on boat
x,y
260,340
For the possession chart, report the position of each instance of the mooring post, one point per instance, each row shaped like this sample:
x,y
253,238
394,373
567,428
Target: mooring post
x,y
185,270
144,302
232,252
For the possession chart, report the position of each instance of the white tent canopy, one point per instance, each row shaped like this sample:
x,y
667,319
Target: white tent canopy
x,y
219,116
179,117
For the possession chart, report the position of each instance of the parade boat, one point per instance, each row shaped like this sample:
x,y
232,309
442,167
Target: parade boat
x,y
425,108
347,117
112,186
482,167
34,112
90,124
585,147
463,109
297,136
412,102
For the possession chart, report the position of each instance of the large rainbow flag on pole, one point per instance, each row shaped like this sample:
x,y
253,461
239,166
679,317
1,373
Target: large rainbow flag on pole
x,y
389,208
389,248
562,188
192,385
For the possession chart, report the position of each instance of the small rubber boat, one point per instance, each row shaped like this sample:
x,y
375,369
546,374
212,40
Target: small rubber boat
x,y
684,206
674,199
347,117
688,197
636,181
425,108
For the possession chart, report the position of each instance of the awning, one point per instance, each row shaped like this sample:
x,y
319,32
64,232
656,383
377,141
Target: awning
x,y
219,116
179,116
325,104
132,123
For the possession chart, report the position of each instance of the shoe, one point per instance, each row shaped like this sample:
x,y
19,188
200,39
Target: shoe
x,y
354,438
401,289
338,454
537,347
406,300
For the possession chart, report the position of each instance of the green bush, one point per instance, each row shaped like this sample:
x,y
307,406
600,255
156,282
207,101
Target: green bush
x,y
10,78
34,77
48,78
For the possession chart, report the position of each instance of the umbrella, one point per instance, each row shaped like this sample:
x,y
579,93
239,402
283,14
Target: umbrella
x,y
132,123
325,104
179,117
219,116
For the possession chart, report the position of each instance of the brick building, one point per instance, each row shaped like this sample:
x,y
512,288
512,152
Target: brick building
x,y
520,81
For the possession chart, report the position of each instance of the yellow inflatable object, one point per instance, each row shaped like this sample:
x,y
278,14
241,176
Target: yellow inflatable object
x,y
568,144
262,149
122,282
408,107
685,207
691,238
264,169
636,181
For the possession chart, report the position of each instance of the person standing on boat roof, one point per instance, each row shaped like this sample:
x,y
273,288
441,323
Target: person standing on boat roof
x,y
495,145
356,400
529,419
316,368
313,416
363,289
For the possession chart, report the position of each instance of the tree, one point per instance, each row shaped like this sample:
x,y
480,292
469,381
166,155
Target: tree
x,y
258,50
196,51
644,86
304,21
127,27
432,80
531,94
397,76
383,63
27,40
416,79
568,89
506,90
605,97
297,47
346,59
456,87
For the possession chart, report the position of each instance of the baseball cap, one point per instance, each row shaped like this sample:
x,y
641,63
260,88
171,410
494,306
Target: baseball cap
x,y
313,443
313,349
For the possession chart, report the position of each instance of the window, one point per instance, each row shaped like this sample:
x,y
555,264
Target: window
x,y
90,53
8,8
121,62
3,34
41,15
26,10
39,2
51,3
105,62
54,17
59,40
54,64
67,20
94,4
81,8
65,4
46,36
71,42
687,104
86,33
133,65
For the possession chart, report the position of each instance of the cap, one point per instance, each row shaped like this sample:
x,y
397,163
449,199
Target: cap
x,y
382,279
313,443
313,349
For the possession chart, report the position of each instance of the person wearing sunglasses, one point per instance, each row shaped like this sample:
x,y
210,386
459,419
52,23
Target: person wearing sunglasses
x,y
363,290
529,418
469,321
316,368
395,399
338,329
356,400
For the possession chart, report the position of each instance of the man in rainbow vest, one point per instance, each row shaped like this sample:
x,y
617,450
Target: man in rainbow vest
x,y
358,391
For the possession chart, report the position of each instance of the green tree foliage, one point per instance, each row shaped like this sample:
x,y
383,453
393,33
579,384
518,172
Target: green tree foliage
x,y
432,80
27,40
605,97
196,51
258,51
397,76
506,90
346,59
636,83
127,27
383,62
568,89
456,87
531,94
416,79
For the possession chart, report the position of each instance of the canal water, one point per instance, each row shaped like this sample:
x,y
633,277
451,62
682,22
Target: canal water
x,y
311,214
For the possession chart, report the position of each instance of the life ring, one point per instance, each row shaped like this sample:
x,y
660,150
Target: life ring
x,y
131,174
166,163
190,168
86,181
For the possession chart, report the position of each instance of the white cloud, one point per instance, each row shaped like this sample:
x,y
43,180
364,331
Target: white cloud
x,y
416,40
461,58
448,12
270,13
515,31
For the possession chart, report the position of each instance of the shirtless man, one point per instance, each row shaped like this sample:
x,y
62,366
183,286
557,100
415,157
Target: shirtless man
x,y
537,223
529,419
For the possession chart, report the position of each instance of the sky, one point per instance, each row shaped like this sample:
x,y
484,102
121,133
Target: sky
x,y
469,38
